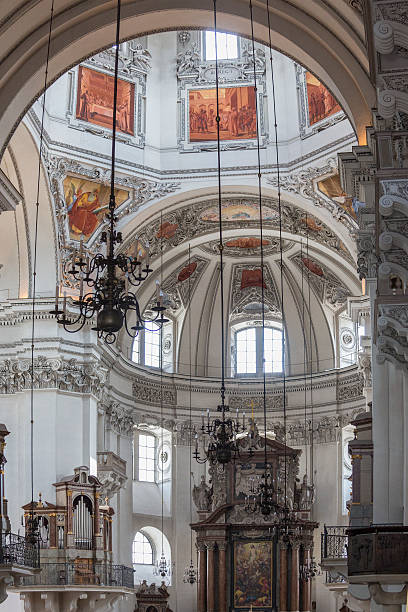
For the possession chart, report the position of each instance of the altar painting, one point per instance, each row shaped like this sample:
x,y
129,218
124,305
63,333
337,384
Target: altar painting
x,y
253,575
321,102
87,203
95,100
239,211
237,108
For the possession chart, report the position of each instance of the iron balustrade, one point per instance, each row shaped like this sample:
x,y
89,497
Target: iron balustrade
x,y
16,550
334,542
85,572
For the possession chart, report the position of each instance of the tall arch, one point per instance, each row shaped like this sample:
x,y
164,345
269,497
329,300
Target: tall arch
x,y
328,42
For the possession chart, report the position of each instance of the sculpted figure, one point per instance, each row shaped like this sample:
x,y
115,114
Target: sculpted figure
x,y
202,495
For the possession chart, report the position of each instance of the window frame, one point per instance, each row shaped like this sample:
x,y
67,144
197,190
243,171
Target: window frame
x,y
137,457
152,548
220,59
259,357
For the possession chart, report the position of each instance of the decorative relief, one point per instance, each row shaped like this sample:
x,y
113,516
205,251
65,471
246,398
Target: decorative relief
x,y
350,388
195,74
192,221
247,247
364,365
119,419
328,287
66,375
176,286
152,393
246,289
141,190
134,65
245,402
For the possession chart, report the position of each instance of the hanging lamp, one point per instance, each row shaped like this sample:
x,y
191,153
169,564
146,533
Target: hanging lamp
x,y
107,280
190,573
261,496
32,528
219,436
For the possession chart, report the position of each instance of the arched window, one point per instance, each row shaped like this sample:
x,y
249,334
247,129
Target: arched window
x,y
227,46
142,550
146,347
248,351
152,347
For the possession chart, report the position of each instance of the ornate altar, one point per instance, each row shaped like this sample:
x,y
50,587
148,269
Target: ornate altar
x,y
151,598
246,561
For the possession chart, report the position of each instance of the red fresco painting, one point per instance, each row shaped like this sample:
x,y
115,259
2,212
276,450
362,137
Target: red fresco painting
x,y
187,272
237,113
321,102
167,230
312,266
251,278
247,243
95,100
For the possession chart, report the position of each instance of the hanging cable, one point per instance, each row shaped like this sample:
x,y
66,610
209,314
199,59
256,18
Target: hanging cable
x,y
34,286
221,246
304,354
311,359
190,574
281,260
265,505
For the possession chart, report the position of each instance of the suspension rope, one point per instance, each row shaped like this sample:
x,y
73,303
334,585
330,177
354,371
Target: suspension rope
x,y
34,287
258,149
281,254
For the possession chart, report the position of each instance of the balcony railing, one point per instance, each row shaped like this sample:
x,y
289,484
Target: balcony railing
x,y
82,573
16,550
334,542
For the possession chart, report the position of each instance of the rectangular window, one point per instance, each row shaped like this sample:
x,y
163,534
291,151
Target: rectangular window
x,y
246,351
273,350
152,348
147,452
227,46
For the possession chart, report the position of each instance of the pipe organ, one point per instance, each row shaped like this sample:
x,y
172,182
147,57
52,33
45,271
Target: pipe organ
x,y
78,527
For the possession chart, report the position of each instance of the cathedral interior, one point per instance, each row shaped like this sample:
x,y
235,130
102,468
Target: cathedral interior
x,y
204,305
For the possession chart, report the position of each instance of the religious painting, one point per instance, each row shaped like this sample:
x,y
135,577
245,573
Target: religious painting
x,y
331,187
167,230
237,108
322,103
87,203
312,266
186,272
239,211
95,100
250,242
251,278
253,575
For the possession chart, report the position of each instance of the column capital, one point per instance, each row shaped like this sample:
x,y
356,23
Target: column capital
x,y
201,547
222,545
211,545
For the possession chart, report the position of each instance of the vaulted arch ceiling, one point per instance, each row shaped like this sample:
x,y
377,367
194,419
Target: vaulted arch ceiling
x,y
324,35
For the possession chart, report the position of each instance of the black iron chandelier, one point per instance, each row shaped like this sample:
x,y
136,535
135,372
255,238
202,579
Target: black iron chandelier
x,y
109,279
219,436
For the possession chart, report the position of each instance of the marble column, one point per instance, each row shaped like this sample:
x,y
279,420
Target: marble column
x,y
53,530
211,577
222,577
202,577
294,580
306,584
283,577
